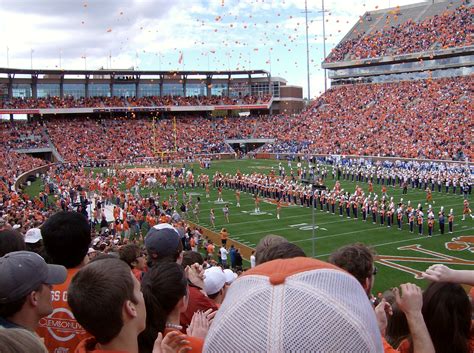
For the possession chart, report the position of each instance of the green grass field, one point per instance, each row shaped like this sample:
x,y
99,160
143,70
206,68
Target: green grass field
x,y
333,231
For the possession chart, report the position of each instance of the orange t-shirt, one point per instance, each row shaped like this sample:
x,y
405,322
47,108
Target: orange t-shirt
x,y
60,330
210,249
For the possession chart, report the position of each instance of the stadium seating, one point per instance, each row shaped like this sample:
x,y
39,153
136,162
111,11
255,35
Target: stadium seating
x,y
23,135
450,28
151,101
413,119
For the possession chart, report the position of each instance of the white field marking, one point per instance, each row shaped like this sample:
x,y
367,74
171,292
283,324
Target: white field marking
x,y
309,227
278,229
260,213
339,234
306,226
291,217
390,243
428,252
347,233
399,267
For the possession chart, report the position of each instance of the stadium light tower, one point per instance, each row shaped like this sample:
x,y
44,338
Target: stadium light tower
x,y
323,12
324,45
307,49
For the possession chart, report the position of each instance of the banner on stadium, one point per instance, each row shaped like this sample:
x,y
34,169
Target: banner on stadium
x,y
135,109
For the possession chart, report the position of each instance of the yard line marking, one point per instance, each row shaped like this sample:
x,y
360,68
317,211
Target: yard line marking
x,y
243,234
394,242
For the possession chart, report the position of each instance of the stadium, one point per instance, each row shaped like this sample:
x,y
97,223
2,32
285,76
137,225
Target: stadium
x,y
383,157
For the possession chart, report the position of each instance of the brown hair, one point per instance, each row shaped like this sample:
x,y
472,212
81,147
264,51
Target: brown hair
x,y
266,242
357,259
284,250
447,313
18,340
96,296
129,253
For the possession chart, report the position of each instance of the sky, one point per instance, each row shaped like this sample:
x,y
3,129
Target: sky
x,y
179,34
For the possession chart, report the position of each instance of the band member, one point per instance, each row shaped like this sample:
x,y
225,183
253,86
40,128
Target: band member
x,y
441,220
420,222
450,220
411,221
399,217
430,226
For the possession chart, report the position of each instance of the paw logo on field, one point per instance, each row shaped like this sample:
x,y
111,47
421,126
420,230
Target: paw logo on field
x,y
464,242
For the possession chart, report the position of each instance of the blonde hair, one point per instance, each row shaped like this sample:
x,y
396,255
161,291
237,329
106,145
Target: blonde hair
x,y
18,340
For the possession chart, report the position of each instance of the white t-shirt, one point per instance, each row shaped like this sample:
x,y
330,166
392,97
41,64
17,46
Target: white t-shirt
x,y
224,253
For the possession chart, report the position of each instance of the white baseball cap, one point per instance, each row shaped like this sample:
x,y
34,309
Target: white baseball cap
x,y
33,236
214,280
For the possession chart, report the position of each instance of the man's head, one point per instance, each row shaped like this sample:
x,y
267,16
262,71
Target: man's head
x,y
11,240
104,297
133,256
164,244
214,283
191,258
33,236
280,250
358,260
66,238
304,303
264,243
25,284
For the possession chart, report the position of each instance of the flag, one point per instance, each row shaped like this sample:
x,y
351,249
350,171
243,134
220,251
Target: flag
x,y
180,60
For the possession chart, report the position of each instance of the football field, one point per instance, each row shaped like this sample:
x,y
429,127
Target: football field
x,y
401,254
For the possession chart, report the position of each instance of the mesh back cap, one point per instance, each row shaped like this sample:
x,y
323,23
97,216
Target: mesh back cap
x,y
295,305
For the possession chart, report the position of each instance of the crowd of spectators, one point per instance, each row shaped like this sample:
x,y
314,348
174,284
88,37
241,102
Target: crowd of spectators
x,y
148,101
412,119
109,299
126,139
451,28
428,117
22,135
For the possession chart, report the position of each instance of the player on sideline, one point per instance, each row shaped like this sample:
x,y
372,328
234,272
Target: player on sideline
x,y
278,204
212,218
226,212
237,197
466,211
